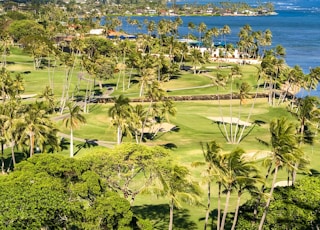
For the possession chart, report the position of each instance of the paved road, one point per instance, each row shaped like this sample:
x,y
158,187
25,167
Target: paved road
x,y
108,144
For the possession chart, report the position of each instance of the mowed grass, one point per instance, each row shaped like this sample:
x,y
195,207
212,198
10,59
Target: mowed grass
x,y
191,119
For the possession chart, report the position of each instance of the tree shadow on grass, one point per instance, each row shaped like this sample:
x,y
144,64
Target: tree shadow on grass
x,y
159,216
212,221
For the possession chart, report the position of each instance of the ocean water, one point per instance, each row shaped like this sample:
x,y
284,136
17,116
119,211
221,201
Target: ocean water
x,y
296,28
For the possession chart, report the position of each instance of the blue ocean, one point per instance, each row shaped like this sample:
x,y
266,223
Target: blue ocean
x,y
296,27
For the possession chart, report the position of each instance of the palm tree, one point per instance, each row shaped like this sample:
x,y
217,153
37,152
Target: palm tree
x,y
175,184
236,168
313,78
136,120
12,123
225,31
244,90
245,183
201,29
307,115
191,26
37,125
213,171
120,112
155,93
72,120
48,98
294,78
6,84
196,59
285,150
273,66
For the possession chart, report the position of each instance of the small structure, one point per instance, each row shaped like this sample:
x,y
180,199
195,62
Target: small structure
x,y
96,31
191,42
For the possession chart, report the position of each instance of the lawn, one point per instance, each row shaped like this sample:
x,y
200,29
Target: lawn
x,y
192,122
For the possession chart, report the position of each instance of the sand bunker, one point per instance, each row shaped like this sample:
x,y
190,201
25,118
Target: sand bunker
x,y
230,120
159,127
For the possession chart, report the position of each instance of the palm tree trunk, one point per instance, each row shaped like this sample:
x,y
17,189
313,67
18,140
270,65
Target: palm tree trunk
x,y
145,121
255,211
219,204
269,199
119,135
12,154
71,142
31,143
222,118
249,115
235,219
2,158
208,206
230,106
171,215
225,211
141,89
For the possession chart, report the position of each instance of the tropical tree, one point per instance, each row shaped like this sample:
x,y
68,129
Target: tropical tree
x,y
196,59
37,126
273,66
244,90
201,29
120,113
245,183
12,123
284,151
155,93
174,183
307,113
191,27
225,30
237,168
72,121
294,79
48,99
129,168
313,78
213,172
40,188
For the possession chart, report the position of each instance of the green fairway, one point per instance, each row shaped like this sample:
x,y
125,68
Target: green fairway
x,y
193,122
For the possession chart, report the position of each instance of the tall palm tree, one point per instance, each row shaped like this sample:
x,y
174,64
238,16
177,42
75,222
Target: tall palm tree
x,y
120,112
293,78
175,184
48,98
284,146
236,168
313,78
307,114
37,125
12,122
225,30
196,59
201,29
155,93
72,120
214,169
136,120
245,183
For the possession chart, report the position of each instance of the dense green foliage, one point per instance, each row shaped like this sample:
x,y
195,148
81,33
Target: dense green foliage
x,y
55,192
295,207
